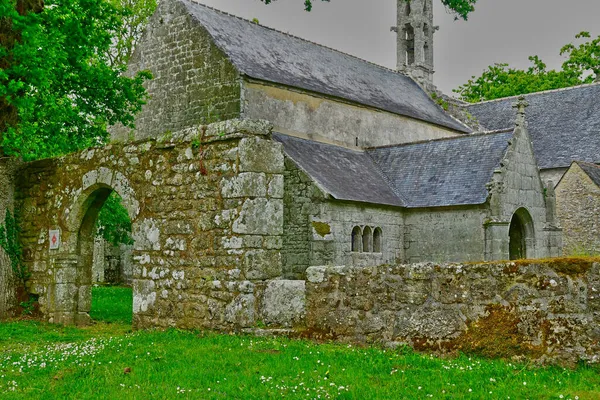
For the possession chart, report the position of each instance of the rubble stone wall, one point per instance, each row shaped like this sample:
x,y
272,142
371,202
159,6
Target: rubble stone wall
x,y
206,207
578,208
542,310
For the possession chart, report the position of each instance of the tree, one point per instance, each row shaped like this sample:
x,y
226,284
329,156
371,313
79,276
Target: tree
x,y
134,15
585,57
57,78
460,8
499,80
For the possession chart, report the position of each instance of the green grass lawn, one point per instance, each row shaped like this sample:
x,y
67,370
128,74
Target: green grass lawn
x,y
107,360
112,304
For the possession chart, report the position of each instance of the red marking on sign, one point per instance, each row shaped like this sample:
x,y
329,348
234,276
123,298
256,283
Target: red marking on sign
x,y
54,239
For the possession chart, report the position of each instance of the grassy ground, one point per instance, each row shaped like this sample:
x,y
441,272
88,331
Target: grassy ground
x,y
41,361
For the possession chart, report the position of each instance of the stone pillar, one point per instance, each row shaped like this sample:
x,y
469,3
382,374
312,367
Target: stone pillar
x,y
62,292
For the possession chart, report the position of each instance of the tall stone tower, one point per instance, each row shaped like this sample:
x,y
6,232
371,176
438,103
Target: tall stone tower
x,y
415,40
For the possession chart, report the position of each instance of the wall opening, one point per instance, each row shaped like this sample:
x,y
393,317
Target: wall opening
x,y
367,240
409,36
357,240
377,237
521,235
106,221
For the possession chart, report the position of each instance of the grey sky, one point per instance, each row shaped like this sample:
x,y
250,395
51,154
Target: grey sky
x,y
498,31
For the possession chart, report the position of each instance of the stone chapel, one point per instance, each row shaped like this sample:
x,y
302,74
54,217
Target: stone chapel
x,y
376,171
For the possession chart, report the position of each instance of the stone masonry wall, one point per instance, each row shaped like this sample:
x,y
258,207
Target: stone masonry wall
x,y
342,217
578,208
548,311
7,279
318,231
445,235
301,203
193,82
332,120
207,219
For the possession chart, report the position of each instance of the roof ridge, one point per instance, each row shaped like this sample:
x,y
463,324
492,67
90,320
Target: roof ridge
x,y
535,93
587,163
468,136
299,38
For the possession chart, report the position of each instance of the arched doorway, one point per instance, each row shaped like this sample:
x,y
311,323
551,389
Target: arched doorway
x,y
521,235
101,302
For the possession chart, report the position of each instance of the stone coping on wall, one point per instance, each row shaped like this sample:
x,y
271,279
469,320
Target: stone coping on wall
x,y
546,310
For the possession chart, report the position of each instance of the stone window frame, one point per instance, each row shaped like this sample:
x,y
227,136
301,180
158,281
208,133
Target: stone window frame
x,y
367,239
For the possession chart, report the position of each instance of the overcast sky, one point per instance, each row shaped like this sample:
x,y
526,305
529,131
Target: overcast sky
x,y
498,31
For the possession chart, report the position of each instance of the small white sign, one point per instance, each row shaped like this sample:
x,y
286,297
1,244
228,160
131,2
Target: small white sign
x,y
54,238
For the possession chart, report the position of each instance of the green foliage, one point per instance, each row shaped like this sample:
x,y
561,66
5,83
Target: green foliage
x,y
58,77
49,361
499,80
29,305
9,241
460,8
133,15
113,222
585,57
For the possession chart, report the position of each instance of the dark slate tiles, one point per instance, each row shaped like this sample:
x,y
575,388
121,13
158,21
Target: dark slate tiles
x,y
564,125
592,170
273,56
445,172
345,174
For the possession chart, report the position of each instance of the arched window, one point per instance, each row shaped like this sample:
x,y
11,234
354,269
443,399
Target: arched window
x,y
377,237
356,239
367,239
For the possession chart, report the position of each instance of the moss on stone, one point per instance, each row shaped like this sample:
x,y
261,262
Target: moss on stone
x,y
497,336
323,229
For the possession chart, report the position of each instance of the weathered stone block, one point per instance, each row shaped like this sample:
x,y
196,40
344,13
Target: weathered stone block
x,y
262,264
260,155
246,184
284,303
260,217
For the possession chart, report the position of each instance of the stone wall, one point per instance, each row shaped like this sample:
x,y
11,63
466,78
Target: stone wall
x,y
193,81
335,248
316,116
548,311
207,218
578,207
445,234
8,282
318,230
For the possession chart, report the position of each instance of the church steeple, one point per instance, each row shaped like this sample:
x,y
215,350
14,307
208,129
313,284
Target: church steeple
x,y
415,40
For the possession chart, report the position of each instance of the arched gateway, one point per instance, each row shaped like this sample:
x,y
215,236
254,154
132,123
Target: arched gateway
x,y
197,203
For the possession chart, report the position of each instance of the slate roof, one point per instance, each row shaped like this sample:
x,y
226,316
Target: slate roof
x,y
269,55
343,173
592,170
564,125
443,172
436,173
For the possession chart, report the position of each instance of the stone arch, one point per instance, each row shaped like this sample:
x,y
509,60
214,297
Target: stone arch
x,y
80,221
521,235
357,240
367,239
377,240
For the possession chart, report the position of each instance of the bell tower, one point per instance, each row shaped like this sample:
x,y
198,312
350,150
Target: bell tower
x,y
415,40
